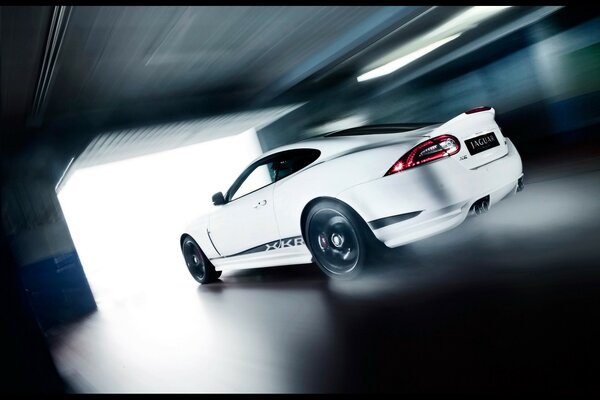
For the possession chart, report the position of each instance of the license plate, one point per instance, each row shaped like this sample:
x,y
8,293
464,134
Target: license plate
x,y
482,143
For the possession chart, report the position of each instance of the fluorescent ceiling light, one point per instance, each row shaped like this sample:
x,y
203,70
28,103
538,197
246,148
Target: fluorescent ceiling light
x,y
402,61
435,38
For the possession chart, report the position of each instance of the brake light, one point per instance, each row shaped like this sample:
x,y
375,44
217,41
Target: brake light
x,y
430,150
478,109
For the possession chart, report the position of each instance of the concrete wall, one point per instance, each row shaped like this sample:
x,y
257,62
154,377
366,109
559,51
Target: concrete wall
x,y
41,245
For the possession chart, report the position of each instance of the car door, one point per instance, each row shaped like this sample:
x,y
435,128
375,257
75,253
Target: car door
x,y
246,223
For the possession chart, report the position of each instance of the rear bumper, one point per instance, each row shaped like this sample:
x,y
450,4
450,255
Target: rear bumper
x,y
431,198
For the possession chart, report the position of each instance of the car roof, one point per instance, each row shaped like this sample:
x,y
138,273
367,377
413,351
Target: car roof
x,y
343,140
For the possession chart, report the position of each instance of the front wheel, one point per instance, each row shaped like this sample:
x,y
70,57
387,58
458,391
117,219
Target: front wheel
x,y
338,239
199,266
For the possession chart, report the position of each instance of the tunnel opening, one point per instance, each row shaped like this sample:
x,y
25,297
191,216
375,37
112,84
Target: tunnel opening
x,y
126,217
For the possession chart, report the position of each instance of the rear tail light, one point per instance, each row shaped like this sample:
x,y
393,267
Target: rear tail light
x,y
478,109
430,150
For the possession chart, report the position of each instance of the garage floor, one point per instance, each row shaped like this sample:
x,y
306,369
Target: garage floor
x,y
508,300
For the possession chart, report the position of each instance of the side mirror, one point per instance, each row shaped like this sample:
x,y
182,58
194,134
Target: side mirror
x,y
218,199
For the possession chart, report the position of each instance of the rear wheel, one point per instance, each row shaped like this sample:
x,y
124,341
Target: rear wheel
x,y
338,239
199,266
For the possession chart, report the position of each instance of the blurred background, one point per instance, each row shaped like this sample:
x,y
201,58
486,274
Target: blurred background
x,y
119,123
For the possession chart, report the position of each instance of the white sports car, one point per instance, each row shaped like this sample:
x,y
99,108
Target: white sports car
x,y
327,199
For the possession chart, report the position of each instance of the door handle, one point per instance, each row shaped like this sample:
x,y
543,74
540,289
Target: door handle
x,y
260,203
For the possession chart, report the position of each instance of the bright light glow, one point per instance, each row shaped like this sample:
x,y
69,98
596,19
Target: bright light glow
x,y
126,217
402,61
439,36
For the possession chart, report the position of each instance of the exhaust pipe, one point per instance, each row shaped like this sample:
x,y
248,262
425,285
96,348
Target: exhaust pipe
x,y
481,206
520,185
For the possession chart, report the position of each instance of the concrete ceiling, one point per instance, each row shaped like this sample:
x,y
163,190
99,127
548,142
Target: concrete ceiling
x,y
61,62
68,73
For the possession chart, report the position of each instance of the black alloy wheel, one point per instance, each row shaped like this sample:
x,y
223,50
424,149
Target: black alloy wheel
x,y
338,239
199,266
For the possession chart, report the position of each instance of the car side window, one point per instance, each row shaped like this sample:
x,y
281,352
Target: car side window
x,y
257,179
292,161
271,169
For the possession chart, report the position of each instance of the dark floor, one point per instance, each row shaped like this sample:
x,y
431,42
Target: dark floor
x,y
508,301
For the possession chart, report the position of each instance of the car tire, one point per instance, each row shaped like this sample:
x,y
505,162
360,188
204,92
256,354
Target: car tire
x,y
338,239
200,267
